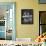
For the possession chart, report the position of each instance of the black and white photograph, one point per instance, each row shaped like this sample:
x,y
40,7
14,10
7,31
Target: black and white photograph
x,y
27,16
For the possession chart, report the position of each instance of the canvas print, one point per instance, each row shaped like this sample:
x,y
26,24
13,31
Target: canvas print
x,y
27,16
7,27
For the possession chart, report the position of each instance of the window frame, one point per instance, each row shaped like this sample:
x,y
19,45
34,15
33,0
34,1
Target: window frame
x,y
39,21
41,2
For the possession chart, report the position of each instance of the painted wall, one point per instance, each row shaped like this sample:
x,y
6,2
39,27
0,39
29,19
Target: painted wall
x,y
28,31
32,30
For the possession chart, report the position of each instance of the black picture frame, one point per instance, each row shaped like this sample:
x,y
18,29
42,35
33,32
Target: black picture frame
x,y
42,1
26,16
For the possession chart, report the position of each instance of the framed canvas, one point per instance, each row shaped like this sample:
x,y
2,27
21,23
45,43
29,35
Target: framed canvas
x,y
27,16
7,20
42,1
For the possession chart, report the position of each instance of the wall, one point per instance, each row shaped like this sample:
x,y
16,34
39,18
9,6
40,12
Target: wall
x,y
28,31
32,30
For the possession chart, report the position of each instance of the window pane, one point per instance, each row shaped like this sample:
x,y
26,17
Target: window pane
x,y
43,17
42,28
42,1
